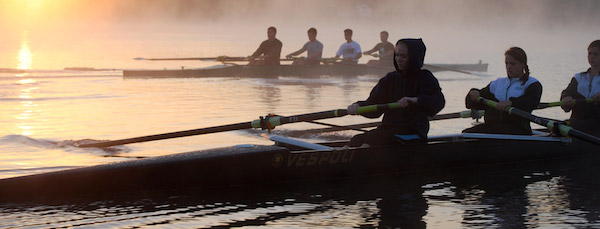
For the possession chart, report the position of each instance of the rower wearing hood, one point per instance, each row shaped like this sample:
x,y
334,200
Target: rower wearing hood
x,y
415,89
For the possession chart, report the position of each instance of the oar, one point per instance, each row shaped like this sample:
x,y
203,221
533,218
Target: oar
x,y
373,55
332,125
461,114
563,129
559,103
264,123
338,126
426,66
430,66
219,58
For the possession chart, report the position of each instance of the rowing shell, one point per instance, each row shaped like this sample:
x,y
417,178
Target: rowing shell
x,y
289,162
290,70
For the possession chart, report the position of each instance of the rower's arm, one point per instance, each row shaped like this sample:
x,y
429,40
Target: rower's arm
x,y
260,50
571,91
358,56
430,98
370,51
484,93
297,52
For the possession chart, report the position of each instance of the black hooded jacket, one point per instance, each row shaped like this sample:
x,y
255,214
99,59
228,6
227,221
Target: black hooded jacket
x,y
415,82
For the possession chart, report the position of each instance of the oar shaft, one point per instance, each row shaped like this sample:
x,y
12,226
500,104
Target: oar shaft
x,y
268,122
550,124
358,127
220,58
560,103
461,114
208,130
430,66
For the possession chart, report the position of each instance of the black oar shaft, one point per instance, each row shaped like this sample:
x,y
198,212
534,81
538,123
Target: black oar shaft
x,y
219,58
274,121
564,130
358,127
560,103
264,123
208,130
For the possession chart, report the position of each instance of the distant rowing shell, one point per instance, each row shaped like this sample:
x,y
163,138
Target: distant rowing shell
x,y
291,70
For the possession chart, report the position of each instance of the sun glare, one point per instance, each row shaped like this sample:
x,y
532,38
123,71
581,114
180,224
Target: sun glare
x,y
25,56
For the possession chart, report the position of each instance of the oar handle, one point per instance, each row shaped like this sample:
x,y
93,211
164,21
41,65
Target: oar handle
x,y
378,107
272,122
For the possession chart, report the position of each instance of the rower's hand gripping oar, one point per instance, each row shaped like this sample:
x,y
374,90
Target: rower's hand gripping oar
x,y
268,122
561,128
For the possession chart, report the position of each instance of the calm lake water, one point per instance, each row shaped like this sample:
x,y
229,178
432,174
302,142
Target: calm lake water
x,y
41,108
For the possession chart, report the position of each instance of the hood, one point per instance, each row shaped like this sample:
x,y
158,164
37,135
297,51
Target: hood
x,y
416,55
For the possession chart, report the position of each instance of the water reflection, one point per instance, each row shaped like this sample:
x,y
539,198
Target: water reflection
x,y
501,198
27,106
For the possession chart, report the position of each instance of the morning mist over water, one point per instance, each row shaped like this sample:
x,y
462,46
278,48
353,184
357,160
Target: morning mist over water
x,y
109,34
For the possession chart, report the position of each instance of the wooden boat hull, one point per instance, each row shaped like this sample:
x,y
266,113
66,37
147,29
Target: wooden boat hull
x,y
256,165
289,70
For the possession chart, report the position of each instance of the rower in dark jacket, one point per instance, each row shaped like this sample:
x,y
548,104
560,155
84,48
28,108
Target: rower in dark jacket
x,y
270,50
585,85
518,90
415,89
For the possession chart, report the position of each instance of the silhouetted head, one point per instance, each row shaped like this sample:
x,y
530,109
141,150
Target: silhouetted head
x,y
516,64
348,35
312,34
595,44
271,32
594,54
384,36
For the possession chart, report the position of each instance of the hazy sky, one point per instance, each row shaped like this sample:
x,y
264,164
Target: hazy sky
x,y
479,13
75,24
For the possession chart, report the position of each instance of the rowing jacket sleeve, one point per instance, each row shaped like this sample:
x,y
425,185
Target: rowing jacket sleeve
x,y
485,93
430,97
261,49
571,91
530,99
377,96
